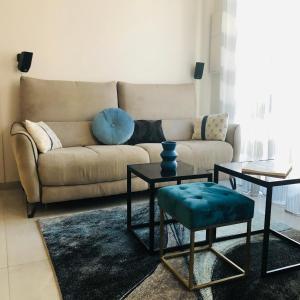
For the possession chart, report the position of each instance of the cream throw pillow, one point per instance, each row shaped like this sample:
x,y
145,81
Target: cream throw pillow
x,y
211,127
43,136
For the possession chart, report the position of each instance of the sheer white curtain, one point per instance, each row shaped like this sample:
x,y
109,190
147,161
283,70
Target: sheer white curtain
x,y
259,79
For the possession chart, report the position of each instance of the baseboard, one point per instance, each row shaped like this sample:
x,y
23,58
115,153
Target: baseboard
x,y
10,185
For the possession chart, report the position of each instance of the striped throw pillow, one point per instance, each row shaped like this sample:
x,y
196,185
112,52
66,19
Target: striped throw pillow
x,y
43,136
211,127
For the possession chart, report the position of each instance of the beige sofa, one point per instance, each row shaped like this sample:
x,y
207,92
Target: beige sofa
x,y
85,169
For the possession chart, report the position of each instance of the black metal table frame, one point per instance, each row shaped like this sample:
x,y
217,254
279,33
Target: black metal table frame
x,y
151,224
267,222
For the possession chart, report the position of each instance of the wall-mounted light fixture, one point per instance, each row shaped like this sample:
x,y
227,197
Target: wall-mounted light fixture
x,y
199,70
24,61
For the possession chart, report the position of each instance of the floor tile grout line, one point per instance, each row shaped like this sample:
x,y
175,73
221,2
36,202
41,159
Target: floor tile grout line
x,y
50,260
6,224
6,248
20,264
10,267
28,263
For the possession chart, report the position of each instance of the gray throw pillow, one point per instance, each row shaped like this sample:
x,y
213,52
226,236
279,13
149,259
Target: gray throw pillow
x,y
147,131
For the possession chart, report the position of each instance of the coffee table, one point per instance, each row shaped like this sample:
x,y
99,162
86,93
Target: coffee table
x,y
151,173
235,170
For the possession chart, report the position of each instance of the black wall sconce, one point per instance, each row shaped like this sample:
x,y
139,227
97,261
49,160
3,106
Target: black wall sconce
x,y
24,61
199,70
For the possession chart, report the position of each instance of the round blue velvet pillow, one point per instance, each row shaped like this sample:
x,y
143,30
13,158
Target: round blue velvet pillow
x,y
113,126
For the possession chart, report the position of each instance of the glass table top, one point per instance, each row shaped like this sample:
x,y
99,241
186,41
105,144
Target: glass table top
x,y
291,178
153,172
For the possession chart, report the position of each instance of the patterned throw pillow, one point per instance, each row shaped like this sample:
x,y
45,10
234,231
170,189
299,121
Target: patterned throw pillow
x,y
211,127
43,136
146,131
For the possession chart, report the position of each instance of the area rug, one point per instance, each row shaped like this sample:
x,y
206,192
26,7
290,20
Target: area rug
x,y
94,257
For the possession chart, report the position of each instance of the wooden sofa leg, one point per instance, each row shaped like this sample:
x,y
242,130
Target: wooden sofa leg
x,y
31,209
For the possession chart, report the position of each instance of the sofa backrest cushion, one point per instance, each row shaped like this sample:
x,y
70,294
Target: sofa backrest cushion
x,y
157,101
68,106
178,130
72,134
53,100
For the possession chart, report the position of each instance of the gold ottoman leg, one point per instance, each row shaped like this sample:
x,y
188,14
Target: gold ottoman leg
x,y
188,282
191,262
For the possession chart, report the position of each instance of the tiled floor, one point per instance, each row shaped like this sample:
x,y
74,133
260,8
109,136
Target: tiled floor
x,y
25,270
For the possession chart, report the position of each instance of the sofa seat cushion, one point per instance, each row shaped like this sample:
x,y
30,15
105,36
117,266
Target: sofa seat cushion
x,y
154,149
207,153
86,165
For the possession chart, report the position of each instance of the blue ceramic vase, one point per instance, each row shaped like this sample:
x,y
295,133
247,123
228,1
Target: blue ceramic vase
x,y
168,155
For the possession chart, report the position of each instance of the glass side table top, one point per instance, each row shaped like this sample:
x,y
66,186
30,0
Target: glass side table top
x,y
236,167
151,172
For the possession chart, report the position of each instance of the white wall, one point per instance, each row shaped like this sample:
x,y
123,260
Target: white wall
x,y
203,53
151,41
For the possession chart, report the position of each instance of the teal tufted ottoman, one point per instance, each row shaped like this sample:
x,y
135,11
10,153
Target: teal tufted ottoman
x,y
204,206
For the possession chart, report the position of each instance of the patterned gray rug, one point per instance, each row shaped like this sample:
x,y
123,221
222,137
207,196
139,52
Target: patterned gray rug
x,y
94,257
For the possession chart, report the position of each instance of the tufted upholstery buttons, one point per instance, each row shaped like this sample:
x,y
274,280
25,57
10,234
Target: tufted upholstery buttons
x,y
218,205
183,187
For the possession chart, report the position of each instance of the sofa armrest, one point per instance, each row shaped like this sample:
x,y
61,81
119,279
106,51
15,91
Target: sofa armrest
x,y
233,137
26,156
